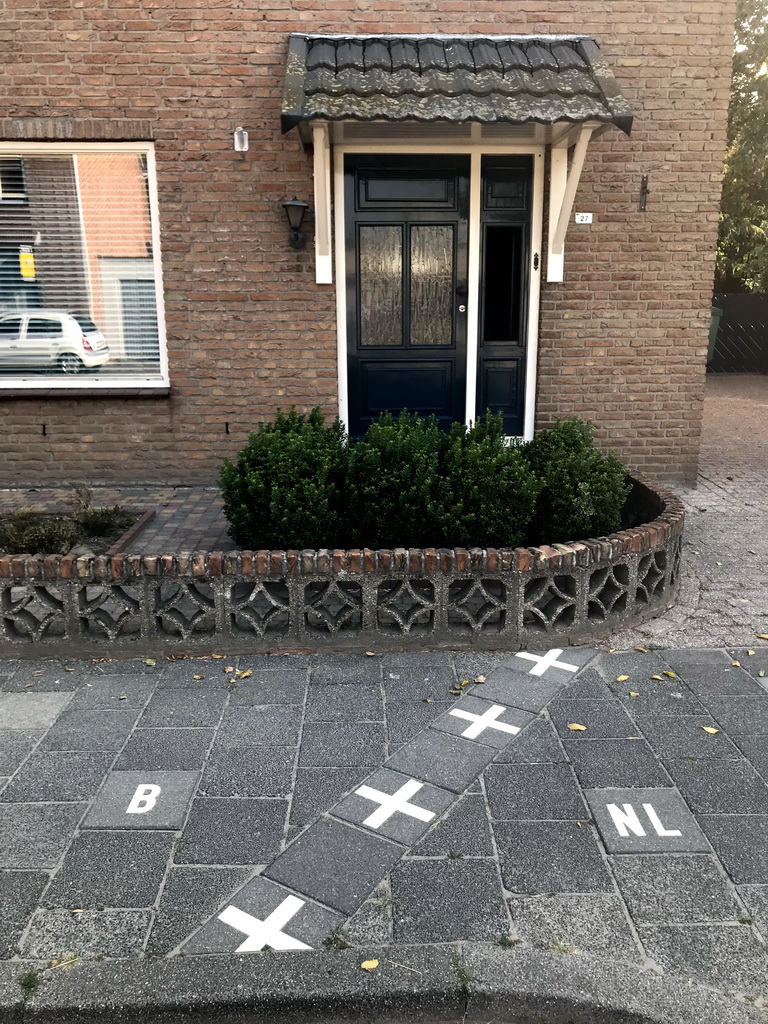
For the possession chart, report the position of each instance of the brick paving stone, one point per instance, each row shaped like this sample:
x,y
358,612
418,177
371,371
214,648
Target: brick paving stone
x,y
406,719
641,820
249,771
270,687
675,889
90,730
335,864
342,745
92,933
59,776
464,832
223,831
15,746
131,800
183,709
684,736
600,763
445,900
190,895
537,744
271,725
35,835
726,787
575,924
360,703
446,761
19,893
741,843
317,789
165,750
740,715
543,792
550,857
111,869
602,719
496,730
403,827
31,710
112,693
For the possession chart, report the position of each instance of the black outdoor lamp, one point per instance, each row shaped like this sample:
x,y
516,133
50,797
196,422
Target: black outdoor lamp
x,y
294,211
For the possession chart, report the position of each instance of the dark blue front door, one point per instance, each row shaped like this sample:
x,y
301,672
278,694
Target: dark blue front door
x,y
406,253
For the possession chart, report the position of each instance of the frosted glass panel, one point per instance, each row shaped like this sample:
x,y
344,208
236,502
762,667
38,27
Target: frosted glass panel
x,y
381,285
432,284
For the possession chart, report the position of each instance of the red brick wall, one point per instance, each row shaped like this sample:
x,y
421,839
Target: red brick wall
x,y
623,339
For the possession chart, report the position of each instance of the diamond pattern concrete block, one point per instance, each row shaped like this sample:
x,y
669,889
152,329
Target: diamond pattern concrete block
x,y
493,724
143,800
645,821
446,761
394,806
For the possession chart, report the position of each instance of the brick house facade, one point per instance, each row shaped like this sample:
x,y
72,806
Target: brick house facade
x,y
621,339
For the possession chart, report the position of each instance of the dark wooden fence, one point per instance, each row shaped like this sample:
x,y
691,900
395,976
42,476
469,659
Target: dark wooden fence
x,y
742,338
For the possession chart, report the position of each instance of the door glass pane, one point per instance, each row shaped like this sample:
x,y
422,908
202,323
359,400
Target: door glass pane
x,y
381,285
502,282
432,284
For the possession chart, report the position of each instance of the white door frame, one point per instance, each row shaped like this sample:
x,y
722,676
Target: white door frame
x,y
475,151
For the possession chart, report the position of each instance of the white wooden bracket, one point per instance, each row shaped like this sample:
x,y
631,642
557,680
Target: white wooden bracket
x,y
563,183
323,239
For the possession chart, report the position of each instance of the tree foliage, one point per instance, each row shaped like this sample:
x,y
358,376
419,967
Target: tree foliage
x,y
742,263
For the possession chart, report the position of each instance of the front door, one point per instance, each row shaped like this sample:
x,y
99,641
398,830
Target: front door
x,y
406,252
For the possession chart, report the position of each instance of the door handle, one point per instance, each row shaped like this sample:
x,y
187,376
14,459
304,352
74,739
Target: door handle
x,y
462,309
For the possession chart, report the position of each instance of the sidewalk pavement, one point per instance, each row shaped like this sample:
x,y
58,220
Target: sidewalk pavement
x,y
608,810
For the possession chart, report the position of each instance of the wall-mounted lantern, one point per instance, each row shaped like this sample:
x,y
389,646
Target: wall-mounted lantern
x,y
294,211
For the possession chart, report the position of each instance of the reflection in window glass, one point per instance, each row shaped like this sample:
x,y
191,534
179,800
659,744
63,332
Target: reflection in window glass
x,y
77,270
381,285
432,284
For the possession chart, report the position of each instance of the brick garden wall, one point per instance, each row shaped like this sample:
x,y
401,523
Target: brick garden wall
x,y
623,339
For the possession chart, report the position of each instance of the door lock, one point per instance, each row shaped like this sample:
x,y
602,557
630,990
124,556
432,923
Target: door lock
x,y
462,309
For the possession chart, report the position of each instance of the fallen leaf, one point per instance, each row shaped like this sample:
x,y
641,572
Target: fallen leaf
x,y
750,653
369,965
642,650
761,673
198,677
762,636
244,675
371,654
456,693
658,677
123,696
621,679
633,693
427,700
27,685
612,650
672,675
217,656
710,730
578,824
736,664
479,679
72,670
575,727
150,661
77,911
718,563
229,668
464,684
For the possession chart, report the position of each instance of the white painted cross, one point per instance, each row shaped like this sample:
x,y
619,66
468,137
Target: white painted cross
x,y
394,803
482,722
546,661
267,932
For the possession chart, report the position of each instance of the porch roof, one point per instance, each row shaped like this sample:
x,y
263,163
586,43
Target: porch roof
x,y
488,79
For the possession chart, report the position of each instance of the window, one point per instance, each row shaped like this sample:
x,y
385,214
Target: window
x,y
79,268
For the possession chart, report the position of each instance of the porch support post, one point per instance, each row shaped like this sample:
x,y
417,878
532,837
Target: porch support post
x,y
323,236
564,182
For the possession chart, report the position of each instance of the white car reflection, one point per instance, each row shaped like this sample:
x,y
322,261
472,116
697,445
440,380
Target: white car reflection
x,y
51,339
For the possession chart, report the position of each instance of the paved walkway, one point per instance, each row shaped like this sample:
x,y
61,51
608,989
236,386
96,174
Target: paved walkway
x,y
611,807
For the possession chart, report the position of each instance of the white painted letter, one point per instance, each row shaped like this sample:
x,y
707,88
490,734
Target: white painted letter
x,y
626,820
144,799
654,819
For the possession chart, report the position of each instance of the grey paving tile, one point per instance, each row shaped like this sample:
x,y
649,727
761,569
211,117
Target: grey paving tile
x,y
180,675
406,719
183,709
317,789
493,724
537,744
336,864
555,664
36,835
725,787
342,745
464,832
111,869
676,889
755,899
445,900
755,749
741,715
665,697
59,776
575,924
645,821
190,896
249,771
92,933
19,893
278,662
31,710
342,669
43,677
446,761
720,955
518,689
636,664
221,831
269,725
550,857
371,925
741,843
482,663
15,745
533,792
404,818
133,800
90,730
418,660
165,750
588,685
112,693
431,683
752,663
711,672
270,687
360,703
264,914
603,719
684,736
600,763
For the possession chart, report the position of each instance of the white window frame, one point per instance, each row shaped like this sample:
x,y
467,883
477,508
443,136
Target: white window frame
x,y
92,384
475,151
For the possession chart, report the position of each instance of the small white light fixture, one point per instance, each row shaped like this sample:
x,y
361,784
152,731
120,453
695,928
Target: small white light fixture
x,y
240,137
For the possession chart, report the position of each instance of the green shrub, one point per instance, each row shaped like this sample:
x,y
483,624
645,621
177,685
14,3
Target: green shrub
x,y
101,521
582,489
284,489
28,533
491,492
395,485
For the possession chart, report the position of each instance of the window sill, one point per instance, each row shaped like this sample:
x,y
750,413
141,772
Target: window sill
x,y
126,391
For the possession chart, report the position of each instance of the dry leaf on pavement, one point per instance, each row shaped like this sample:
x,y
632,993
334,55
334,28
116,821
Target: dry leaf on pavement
x,y
575,727
369,965
712,731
